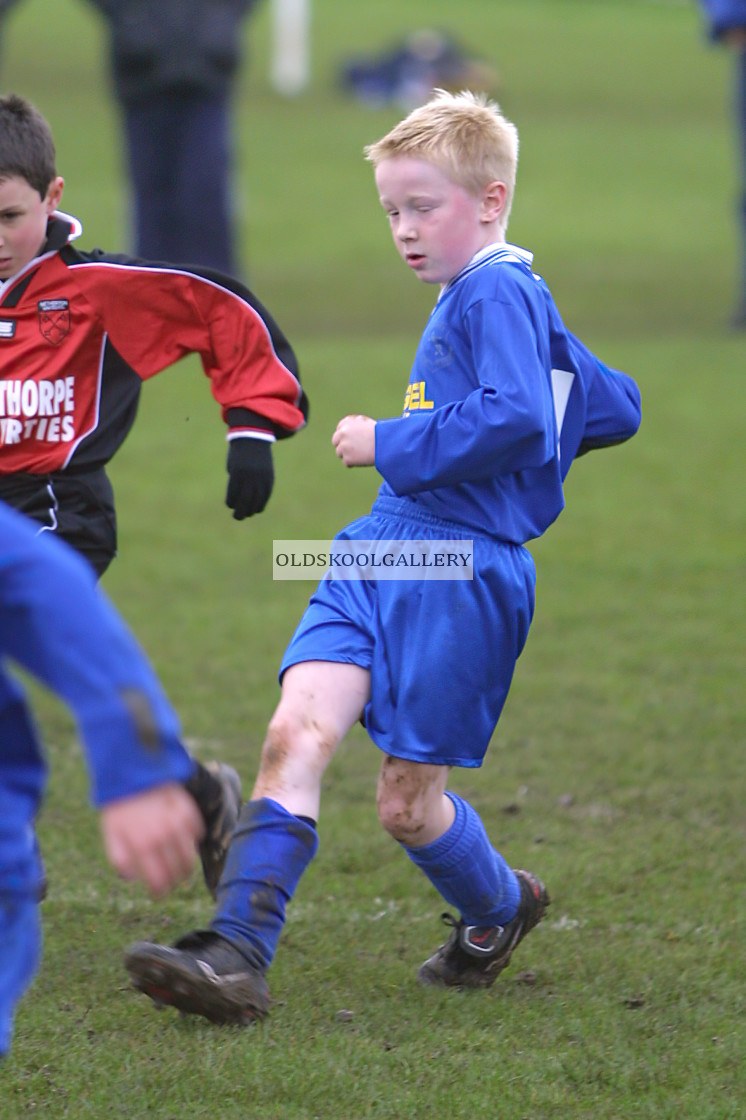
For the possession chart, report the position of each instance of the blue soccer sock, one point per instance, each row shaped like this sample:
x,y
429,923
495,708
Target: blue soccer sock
x,y
468,872
270,849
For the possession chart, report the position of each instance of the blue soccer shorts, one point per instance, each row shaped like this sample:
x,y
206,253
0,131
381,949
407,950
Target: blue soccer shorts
x,y
441,653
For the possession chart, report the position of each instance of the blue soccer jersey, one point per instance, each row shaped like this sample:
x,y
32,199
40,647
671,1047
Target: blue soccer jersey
x,y
501,399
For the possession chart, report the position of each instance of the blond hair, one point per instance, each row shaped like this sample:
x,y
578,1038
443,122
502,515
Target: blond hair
x,y
463,134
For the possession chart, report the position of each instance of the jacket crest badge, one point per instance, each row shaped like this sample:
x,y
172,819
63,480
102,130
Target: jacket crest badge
x,y
54,319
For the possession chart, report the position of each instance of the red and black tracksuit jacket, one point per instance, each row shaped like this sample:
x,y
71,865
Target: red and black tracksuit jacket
x,y
80,332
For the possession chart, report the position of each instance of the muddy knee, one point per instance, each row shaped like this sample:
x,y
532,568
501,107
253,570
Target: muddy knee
x,y
401,817
410,800
400,803
295,743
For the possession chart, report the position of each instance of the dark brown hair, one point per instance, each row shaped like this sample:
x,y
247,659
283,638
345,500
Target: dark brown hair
x,y
26,144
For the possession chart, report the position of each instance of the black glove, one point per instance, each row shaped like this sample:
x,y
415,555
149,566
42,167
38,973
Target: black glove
x,y
251,475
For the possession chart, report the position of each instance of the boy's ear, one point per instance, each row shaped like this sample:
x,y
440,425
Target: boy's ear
x,y
493,201
54,194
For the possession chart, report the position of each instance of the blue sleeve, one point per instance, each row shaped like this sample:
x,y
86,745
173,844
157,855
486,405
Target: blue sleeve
x,y
724,15
505,424
58,625
613,408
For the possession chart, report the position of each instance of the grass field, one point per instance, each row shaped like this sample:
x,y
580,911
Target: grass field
x,y
617,770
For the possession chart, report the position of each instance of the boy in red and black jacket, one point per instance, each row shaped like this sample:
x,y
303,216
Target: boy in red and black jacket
x,y
79,333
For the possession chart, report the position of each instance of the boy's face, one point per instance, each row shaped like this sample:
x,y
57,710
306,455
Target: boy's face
x,y
437,225
23,221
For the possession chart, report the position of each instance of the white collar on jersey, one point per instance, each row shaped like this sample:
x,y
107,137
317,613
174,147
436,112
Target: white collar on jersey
x,y
75,226
498,250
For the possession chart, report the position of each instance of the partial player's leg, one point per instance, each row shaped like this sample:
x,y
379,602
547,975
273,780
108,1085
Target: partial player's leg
x,y
20,931
220,972
216,788
22,779
739,317
452,650
444,836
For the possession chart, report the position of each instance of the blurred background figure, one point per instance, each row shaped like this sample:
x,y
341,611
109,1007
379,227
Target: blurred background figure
x,y
727,24
406,73
4,5
174,65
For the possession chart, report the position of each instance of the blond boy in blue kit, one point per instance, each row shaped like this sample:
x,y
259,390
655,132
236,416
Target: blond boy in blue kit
x,y
501,399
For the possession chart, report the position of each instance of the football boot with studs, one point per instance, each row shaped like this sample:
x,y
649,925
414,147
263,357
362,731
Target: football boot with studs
x,y
202,974
220,820
474,956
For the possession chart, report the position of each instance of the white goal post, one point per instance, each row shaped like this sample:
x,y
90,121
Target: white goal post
x,y
290,64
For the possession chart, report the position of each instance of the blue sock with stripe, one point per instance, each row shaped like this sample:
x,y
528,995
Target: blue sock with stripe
x,y
468,872
270,849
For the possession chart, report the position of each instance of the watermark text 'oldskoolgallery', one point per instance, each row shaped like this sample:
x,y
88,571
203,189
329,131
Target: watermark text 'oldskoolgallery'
x,y
386,559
